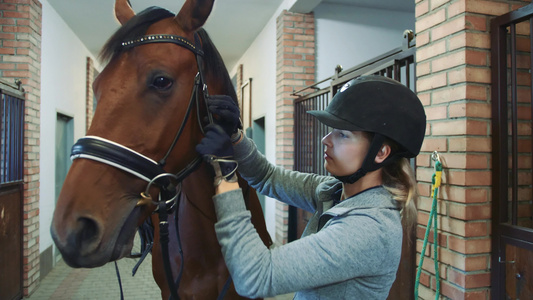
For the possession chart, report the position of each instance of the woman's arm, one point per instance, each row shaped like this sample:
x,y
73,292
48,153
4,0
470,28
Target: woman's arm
x,y
349,247
291,187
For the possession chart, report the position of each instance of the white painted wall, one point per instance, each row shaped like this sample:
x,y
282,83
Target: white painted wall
x,y
63,77
345,35
349,35
259,63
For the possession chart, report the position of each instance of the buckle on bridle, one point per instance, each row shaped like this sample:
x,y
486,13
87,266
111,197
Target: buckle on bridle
x,y
146,198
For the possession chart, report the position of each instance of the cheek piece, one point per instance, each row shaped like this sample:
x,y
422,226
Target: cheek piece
x,y
369,163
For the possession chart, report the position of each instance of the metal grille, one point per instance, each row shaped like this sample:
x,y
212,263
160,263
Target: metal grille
x,y
309,151
397,64
512,161
11,136
512,119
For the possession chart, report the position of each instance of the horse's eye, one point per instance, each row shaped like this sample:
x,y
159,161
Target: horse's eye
x,y
162,83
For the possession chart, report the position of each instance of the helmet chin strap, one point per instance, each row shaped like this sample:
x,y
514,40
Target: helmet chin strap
x,y
369,163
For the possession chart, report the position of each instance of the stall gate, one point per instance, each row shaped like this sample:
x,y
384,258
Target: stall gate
x,y
11,187
512,138
397,64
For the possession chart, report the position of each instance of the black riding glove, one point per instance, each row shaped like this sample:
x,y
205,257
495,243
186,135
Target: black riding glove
x,y
216,149
227,113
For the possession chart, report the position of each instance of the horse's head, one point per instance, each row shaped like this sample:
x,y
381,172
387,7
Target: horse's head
x,y
143,95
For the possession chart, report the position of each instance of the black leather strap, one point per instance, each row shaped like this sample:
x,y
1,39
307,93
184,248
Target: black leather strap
x,y
122,156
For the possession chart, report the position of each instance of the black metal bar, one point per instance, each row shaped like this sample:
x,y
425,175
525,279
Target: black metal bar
x,y
516,16
296,135
375,61
517,232
14,132
408,75
21,140
313,135
2,139
311,95
313,86
323,131
514,128
499,154
10,135
531,86
398,70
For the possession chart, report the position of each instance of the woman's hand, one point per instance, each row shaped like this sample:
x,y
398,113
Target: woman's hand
x,y
227,113
216,149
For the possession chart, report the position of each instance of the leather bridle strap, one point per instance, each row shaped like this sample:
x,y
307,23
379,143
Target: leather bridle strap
x,y
163,38
194,94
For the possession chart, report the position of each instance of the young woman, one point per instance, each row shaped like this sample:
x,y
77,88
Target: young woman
x,y
351,247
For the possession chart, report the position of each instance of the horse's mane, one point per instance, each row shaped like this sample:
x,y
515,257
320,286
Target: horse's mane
x,y
216,65
138,25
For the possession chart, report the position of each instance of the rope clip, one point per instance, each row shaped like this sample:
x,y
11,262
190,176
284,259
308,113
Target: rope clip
x,y
435,156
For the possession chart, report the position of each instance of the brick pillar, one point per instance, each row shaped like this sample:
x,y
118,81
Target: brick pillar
x,y
295,65
453,82
20,58
239,91
89,100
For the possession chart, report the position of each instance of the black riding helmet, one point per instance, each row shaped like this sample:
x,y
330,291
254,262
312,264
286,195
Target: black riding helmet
x,y
383,107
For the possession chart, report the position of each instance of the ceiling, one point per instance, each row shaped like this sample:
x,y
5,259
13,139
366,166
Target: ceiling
x,y
94,21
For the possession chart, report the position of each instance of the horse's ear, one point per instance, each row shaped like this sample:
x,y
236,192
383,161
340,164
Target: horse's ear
x,y
194,13
123,11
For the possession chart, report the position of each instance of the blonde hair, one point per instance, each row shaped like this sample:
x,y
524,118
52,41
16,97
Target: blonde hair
x,y
399,179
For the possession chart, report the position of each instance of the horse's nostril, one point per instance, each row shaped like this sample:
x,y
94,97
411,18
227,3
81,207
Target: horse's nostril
x,y
88,231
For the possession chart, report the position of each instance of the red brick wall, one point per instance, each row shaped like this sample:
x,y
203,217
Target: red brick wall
x,y
239,90
295,64
89,100
20,58
453,82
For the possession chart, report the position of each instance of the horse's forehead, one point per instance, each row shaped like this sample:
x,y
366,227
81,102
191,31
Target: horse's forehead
x,y
165,26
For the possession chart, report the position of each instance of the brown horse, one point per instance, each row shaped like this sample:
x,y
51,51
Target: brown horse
x,y
150,115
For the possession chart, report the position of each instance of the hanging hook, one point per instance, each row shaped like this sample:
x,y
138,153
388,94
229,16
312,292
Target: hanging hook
x,y
435,156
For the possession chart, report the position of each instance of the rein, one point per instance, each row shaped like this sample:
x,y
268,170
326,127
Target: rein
x,y
126,159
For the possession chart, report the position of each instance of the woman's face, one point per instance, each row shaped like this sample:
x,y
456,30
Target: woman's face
x,y
345,151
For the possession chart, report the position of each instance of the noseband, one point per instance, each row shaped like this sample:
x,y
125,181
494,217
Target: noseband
x,y
126,159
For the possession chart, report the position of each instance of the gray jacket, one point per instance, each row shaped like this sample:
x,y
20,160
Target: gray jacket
x,y
355,254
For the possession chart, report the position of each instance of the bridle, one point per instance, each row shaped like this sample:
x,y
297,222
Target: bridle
x,y
126,159
129,160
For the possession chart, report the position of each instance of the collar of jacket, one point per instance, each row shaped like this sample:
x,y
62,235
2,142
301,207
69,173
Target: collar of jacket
x,y
373,198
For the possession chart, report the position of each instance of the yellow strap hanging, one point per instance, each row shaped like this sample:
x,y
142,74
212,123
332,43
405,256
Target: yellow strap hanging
x,y
436,181
437,176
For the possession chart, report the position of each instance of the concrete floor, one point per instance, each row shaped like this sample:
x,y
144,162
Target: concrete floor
x,y
66,283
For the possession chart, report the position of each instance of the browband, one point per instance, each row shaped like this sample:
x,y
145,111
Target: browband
x,y
164,38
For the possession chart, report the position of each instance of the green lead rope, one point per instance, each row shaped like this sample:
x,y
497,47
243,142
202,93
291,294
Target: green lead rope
x,y
436,181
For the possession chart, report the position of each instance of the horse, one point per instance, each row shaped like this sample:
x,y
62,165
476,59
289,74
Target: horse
x,y
138,161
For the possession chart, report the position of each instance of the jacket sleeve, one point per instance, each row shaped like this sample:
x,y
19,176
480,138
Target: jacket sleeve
x,y
349,247
291,187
